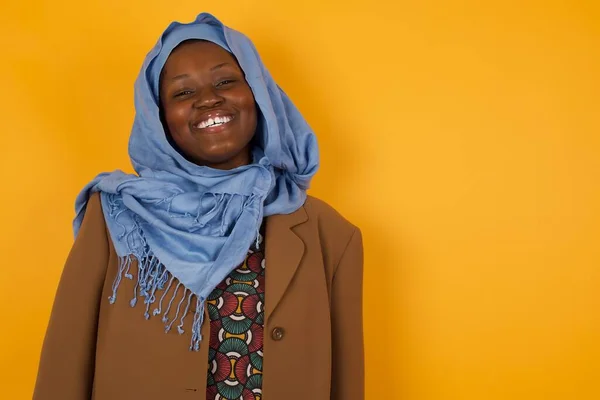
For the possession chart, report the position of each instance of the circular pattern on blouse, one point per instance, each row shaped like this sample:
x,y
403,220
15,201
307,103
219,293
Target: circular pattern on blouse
x,y
236,310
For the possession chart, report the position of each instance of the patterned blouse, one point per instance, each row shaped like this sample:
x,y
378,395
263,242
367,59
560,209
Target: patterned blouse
x,y
236,309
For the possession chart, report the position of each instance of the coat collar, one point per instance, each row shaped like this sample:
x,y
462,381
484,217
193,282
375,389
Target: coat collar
x,y
284,250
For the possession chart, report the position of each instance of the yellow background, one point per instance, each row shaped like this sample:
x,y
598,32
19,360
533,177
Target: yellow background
x,y
463,137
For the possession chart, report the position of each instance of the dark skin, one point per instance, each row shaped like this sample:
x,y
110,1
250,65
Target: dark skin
x,y
207,106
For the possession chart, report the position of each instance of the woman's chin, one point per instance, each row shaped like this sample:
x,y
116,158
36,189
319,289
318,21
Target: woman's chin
x,y
222,160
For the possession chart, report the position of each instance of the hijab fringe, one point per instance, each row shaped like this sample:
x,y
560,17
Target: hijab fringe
x,y
152,276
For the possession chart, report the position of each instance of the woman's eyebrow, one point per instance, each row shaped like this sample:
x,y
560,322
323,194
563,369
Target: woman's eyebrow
x,y
182,76
178,77
219,66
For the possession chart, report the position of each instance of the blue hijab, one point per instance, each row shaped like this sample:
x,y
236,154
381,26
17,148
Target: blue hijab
x,y
190,225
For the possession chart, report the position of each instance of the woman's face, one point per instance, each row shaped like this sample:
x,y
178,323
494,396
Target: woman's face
x,y
207,105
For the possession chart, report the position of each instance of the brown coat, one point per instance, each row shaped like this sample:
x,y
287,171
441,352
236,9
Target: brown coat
x,y
313,341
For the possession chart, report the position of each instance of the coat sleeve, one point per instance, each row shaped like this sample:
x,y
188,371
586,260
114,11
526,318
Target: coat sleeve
x,y
347,329
66,366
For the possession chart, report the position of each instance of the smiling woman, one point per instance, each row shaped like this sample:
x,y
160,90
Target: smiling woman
x,y
208,106
223,162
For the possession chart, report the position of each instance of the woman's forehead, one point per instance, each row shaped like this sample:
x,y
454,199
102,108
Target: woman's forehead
x,y
194,53
199,46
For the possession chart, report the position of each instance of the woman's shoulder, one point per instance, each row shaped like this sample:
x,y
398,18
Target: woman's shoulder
x,y
93,223
334,232
93,210
327,216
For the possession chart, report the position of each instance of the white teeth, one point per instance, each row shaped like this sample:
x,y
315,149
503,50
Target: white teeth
x,y
213,122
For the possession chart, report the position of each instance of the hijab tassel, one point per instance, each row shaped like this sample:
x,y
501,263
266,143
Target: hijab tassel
x,y
152,276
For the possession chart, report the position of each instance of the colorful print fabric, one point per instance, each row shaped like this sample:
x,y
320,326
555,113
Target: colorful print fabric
x,y
236,309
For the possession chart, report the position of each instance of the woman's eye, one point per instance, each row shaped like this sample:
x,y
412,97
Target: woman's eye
x,y
225,82
182,93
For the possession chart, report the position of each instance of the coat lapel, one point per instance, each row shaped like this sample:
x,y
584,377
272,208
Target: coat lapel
x,y
284,250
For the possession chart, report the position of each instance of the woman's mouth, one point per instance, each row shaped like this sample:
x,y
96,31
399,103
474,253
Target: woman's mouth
x,y
212,123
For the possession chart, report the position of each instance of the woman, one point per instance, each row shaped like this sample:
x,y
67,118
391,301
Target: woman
x,y
214,242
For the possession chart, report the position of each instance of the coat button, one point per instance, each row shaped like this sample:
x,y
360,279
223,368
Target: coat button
x,y
277,333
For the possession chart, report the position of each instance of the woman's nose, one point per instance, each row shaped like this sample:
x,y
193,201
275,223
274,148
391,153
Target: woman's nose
x,y
208,98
